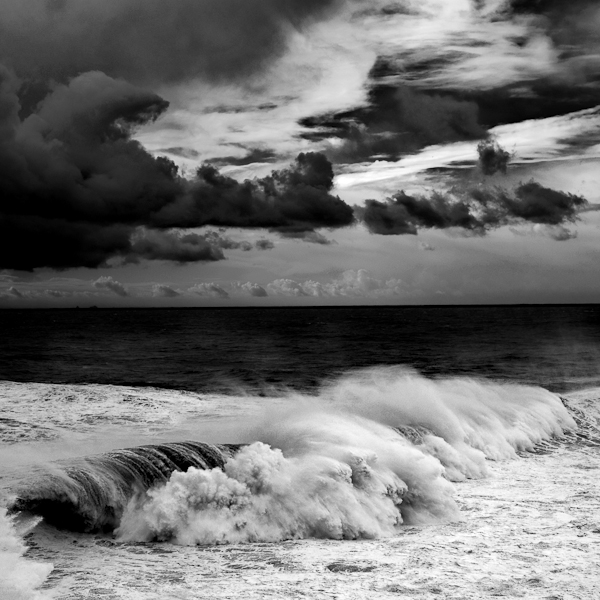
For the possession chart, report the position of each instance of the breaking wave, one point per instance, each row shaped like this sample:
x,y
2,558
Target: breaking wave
x,y
90,494
371,452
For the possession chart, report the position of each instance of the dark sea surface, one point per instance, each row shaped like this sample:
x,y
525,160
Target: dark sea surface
x,y
557,347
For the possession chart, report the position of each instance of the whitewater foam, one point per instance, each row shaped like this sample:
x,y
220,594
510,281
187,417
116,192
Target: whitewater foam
x,y
20,578
374,450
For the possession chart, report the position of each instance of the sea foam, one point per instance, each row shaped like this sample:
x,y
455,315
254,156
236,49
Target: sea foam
x,y
372,451
20,578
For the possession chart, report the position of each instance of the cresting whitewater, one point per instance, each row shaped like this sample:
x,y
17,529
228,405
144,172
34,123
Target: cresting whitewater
x,y
371,456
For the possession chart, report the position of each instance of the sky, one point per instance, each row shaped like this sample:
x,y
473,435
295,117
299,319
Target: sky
x,y
299,152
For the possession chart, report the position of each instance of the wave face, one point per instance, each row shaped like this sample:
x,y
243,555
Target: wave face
x,y
91,494
371,452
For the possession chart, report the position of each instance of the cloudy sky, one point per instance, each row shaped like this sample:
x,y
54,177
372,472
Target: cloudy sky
x,y
309,152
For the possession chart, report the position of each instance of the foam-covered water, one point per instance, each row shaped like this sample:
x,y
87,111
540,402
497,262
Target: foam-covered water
x,y
20,578
301,478
369,455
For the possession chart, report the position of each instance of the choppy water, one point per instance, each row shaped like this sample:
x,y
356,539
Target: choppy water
x,y
264,426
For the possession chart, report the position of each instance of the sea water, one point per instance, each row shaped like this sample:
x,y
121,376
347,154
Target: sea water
x,y
350,453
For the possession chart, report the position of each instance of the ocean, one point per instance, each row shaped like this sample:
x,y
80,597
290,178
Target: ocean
x,y
355,452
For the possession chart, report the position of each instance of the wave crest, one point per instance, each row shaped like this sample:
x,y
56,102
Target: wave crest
x,y
375,450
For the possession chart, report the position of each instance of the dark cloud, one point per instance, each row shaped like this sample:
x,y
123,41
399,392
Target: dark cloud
x,y
180,247
108,283
397,120
13,291
530,202
573,25
73,185
297,198
492,157
535,100
27,242
150,41
76,190
404,214
476,210
174,246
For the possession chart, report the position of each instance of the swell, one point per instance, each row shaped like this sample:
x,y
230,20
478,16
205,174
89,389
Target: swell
x,y
91,494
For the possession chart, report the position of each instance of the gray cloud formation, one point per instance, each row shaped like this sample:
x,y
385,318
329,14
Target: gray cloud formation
x,y
398,120
210,290
57,293
492,157
253,289
173,246
293,199
76,190
515,59
150,41
478,209
164,291
264,244
358,283
108,283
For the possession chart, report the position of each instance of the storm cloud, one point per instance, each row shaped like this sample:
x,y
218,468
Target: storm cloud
x,y
477,209
150,41
77,190
293,199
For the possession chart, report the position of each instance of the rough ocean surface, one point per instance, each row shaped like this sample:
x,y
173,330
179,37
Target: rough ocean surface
x,y
529,529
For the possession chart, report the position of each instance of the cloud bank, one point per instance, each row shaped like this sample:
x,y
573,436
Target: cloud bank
x,y
477,210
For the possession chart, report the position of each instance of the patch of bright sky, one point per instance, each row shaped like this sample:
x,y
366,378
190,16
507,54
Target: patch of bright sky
x,y
326,69
530,142
473,49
